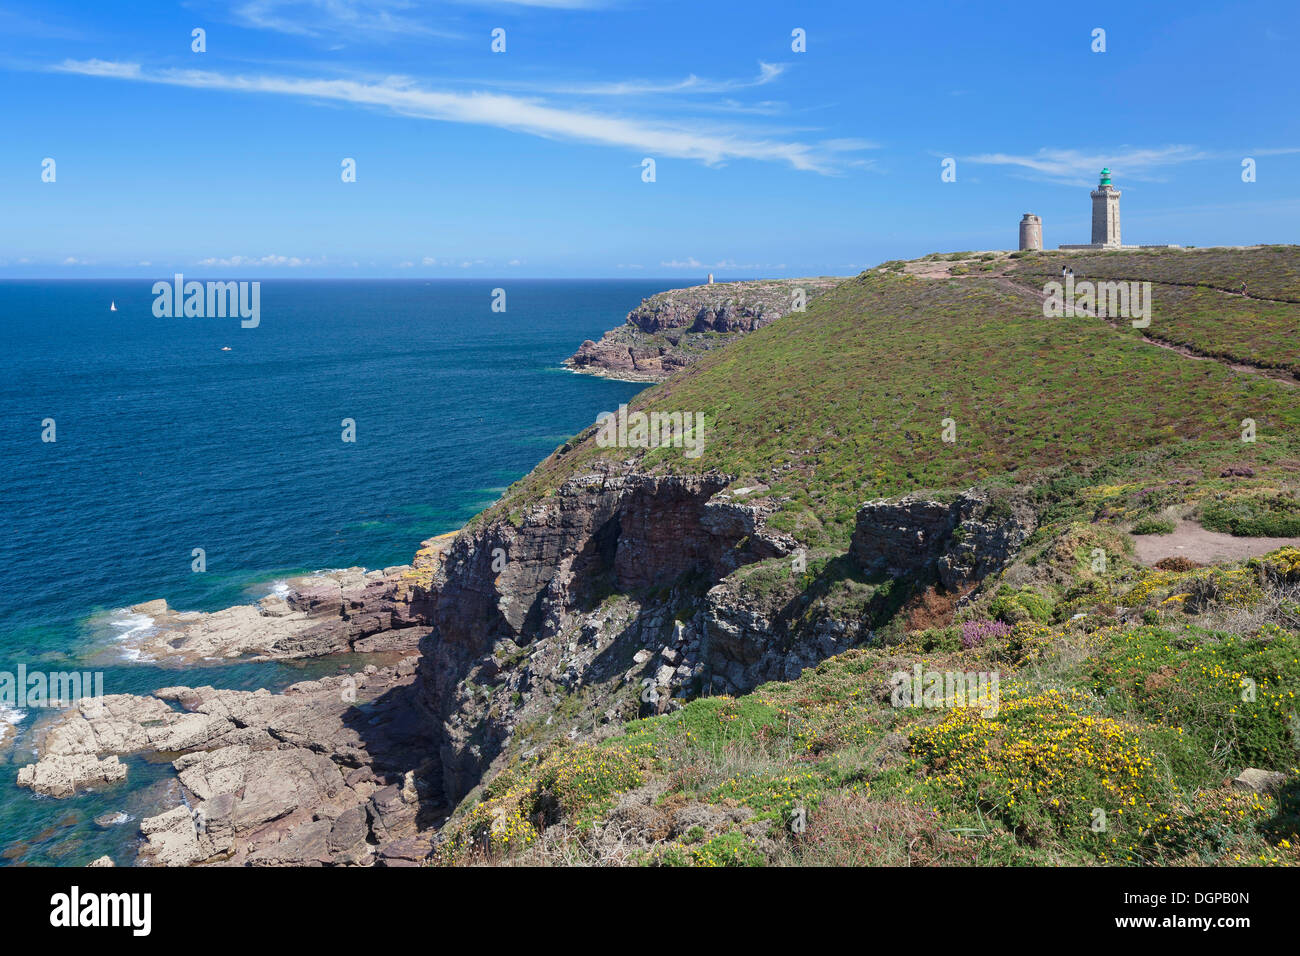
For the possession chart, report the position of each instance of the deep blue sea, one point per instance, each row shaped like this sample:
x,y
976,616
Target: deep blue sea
x,y
166,443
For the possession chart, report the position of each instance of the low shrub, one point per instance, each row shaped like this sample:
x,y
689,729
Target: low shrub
x,y
1050,768
1254,516
940,640
1154,526
1012,607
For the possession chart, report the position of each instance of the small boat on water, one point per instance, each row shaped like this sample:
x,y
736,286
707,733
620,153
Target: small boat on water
x,y
112,306
225,348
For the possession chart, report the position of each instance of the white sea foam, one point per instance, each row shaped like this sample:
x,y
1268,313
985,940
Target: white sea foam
x,y
131,624
280,586
131,627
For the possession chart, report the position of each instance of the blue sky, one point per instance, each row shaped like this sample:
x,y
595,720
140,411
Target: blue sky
x,y
529,162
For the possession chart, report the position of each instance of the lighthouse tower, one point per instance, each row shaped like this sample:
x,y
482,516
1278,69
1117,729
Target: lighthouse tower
x,y
1105,213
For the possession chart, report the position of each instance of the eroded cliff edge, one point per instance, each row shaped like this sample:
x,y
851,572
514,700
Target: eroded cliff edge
x,y
672,329
623,595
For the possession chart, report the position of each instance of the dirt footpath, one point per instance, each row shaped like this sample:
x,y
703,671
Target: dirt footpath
x,y
1198,544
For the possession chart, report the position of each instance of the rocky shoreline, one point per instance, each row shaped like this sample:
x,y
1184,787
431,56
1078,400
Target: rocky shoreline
x,y
669,331
331,612
620,595
329,772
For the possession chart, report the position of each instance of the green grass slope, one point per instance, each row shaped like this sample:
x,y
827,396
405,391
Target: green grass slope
x,y
847,401
1233,304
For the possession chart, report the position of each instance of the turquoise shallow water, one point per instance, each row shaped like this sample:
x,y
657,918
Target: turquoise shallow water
x,y
166,443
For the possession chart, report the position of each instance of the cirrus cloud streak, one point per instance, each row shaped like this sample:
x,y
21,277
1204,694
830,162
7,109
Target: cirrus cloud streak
x,y
404,97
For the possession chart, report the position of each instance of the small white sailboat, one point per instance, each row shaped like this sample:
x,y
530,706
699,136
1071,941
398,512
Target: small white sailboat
x,y
112,306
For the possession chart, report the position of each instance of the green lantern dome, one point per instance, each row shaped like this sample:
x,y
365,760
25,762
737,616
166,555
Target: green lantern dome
x,y
1105,176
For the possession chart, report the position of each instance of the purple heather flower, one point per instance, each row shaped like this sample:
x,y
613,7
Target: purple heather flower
x,y
975,633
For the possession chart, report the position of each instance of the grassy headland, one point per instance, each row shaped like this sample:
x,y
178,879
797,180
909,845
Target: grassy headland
x,y
1130,695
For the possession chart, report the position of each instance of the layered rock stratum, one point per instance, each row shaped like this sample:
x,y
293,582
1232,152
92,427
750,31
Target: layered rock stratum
x,y
331,612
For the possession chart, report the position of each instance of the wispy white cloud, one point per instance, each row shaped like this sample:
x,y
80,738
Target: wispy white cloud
x,y
690,262
110,68
659,138
732,105
689,93
847,145
692,92
371,19
431,261
338,18
767,73
1076,167
233,262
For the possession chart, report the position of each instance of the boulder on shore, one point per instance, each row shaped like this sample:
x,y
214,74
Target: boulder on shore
x,y
63,775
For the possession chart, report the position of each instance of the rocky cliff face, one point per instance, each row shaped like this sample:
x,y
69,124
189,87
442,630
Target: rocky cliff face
x,y
751,638
961,541
582,589
670,330
618,593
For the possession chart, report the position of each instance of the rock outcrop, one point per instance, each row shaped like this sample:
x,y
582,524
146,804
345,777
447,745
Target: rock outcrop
x,y
326,613
960,541
668,331
749,642
616,594
66,774
1254,780
750,638
330,772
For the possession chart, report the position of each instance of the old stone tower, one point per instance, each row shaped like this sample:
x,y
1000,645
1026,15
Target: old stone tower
x,y
1031,232
1105,213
